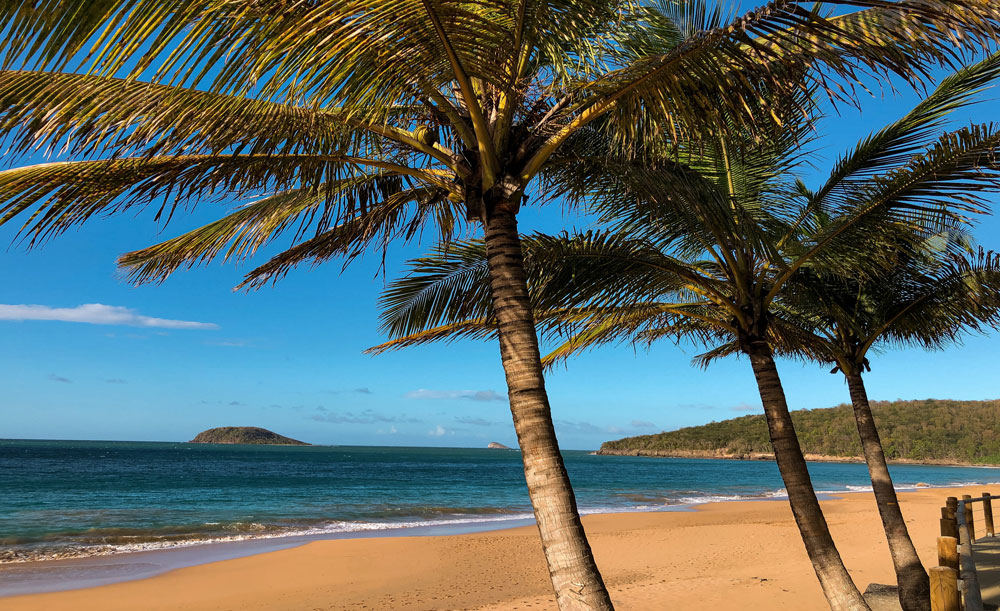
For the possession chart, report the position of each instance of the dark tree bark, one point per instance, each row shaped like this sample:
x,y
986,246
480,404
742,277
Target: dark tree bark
x,y
575,578
914,585
840,591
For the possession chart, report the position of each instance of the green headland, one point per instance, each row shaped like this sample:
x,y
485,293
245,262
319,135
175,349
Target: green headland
x,y
940,431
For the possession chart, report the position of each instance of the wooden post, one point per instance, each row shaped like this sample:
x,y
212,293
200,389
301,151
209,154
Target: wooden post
x,y
947,549
949,526
988,514
972,595
944,589
967,498
952,504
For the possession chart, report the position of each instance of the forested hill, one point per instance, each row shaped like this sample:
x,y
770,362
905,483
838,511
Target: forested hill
x,y
929,430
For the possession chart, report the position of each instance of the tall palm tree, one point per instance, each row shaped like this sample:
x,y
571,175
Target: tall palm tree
x,y
708,253
354,123
921,301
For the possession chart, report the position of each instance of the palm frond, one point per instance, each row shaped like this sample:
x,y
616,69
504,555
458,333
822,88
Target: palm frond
x,y
931,311
723,72
402,216
929,299
289,50
238,236
639,324
476,328
576,286
896,143
937,191
59,195
86,115
450,285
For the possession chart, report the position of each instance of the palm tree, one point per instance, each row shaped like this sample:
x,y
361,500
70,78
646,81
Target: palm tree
x,y
910,304
352,124
709,252
921,301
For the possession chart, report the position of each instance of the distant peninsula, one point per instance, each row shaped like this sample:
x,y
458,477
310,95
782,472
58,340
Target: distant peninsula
x,y
929,431
495,445
249,435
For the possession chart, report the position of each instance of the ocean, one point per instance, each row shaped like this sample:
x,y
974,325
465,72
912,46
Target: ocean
x,y
64,499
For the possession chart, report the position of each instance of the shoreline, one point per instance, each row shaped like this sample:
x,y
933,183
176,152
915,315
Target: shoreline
x,y
719,552
34,577
769,456
666,485
441,527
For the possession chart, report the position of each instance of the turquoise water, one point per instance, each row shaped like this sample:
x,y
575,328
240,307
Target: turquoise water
x,y
79,498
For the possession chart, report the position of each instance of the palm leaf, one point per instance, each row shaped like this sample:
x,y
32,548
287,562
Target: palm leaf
x,y
896,143
240,234
476,328
936,191
402,216
91,114
717,72
64,194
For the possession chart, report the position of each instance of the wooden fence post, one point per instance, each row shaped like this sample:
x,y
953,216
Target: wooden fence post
x,y
947,549
944,589
969,517
949,526
988,514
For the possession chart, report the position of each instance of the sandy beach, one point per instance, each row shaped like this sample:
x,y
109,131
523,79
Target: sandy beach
x,y
708,558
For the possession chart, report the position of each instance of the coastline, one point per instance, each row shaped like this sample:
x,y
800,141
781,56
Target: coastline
x,y
174,515
162,552
734,550
769,456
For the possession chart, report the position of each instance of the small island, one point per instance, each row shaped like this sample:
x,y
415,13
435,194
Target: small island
x,y
248,435
498,446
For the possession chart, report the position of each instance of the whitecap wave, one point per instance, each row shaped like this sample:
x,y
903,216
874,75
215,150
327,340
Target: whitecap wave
x,y
908,487
247,531
330,528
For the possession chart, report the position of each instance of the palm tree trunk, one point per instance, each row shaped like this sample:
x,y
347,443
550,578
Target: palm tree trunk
x,y
840,591
914,585
574,574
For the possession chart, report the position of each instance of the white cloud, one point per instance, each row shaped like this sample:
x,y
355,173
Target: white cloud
x,y
96,314
368,416
437,431
473,421
594,429
475,395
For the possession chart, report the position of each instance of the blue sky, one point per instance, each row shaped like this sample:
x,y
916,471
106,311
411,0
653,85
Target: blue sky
x,y
164,362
